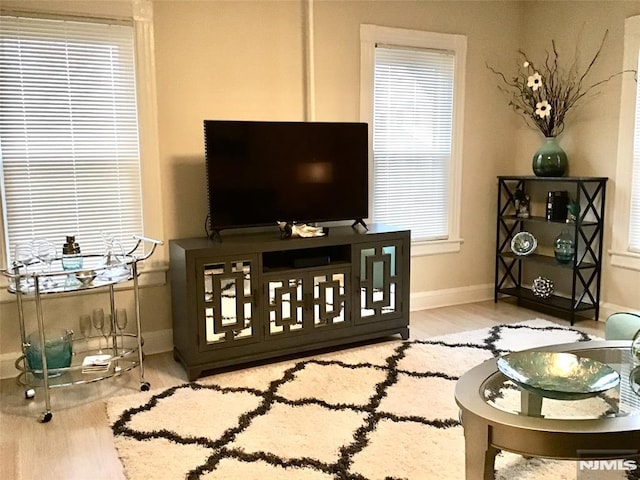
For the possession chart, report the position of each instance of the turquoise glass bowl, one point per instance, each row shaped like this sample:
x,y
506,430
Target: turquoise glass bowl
x,y
58,351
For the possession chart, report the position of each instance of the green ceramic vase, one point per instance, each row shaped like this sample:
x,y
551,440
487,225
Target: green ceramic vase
x,y
550,160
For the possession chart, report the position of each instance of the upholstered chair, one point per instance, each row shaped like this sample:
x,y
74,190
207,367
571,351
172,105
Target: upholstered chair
x,y
622,325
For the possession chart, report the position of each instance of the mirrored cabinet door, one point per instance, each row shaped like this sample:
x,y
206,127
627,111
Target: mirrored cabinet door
x,y
378,266
285,305
227,303
306,301
330,294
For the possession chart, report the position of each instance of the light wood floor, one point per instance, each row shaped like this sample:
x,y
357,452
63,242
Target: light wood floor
x,y
77,443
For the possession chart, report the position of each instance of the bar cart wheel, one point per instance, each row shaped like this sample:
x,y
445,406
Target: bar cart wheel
x,y
145,386
46,417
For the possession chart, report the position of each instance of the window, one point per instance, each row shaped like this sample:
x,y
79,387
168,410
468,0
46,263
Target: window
x,y
625,251
68,131
412,97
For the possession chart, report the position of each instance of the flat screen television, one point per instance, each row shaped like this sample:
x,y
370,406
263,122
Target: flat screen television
x,y
259,173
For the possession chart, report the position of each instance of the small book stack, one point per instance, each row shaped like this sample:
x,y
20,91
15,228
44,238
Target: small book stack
x,y
96,363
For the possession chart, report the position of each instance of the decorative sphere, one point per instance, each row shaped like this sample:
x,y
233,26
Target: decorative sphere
x,y
542,287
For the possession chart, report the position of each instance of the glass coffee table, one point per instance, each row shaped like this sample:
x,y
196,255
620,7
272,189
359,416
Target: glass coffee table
x,y
498,415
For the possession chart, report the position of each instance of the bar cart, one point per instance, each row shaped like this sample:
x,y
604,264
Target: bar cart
x,y
62,360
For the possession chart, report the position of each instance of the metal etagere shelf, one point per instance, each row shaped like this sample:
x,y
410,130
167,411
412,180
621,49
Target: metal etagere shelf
x,y
122,349
581,275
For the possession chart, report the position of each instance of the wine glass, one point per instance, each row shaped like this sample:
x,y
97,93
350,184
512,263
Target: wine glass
x,y
86,327
121,323
23,256
46,252
98,323
113,251
107,329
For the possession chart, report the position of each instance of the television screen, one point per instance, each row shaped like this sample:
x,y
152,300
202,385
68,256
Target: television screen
x,y
259,173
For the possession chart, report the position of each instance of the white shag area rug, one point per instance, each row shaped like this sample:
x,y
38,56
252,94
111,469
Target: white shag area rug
x,y
383,411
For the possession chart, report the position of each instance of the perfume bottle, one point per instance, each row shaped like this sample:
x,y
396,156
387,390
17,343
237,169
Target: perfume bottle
x,y
71,257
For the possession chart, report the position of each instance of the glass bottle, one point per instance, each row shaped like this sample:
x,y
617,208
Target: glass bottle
x,y
564,247
71,257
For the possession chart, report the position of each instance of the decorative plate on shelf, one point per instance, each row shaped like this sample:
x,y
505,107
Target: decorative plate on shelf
x,y
562,376
523,243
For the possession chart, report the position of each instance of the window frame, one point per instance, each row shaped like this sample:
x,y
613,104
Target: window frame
x,y
140,14
370,35
621,254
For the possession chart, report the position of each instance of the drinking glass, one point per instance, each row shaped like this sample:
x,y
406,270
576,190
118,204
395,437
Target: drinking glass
x,y
98,323
85,328
107,329
121,323
113,251
46,253
23,256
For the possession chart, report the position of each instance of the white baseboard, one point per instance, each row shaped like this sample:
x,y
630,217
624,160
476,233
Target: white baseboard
x,y
157,341
451,296
607,309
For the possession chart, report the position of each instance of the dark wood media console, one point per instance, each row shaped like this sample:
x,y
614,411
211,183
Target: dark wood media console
x,y
255,296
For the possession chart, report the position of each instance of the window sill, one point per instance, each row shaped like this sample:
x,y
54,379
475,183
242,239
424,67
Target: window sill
x,y
628,260
436,247
149,277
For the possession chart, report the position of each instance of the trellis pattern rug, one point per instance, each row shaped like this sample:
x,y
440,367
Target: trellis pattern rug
x,y
378,412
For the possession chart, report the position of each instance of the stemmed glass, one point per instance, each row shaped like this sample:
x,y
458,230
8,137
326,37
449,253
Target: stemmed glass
x,y
24,253
23,256
46,252
113,251
85,327
121,324
107,329
98,323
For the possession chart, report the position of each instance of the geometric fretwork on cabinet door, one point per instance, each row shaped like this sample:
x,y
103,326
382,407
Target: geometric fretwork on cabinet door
x,y
285,305
379,297
228,302
330,293
311,300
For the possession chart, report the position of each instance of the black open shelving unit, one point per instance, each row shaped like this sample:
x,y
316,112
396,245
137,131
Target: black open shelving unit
x,y
578,292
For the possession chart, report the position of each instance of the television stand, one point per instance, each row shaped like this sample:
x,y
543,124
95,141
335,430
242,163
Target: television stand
x,y
360,222
254,297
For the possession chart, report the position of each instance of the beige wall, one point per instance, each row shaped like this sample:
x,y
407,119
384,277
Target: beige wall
x,y
223,60
591,135
245,60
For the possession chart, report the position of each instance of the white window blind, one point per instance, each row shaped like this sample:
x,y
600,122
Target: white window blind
x,y
412,135
634,213
68,132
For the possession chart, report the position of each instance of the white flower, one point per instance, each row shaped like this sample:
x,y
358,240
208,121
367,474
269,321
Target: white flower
x,y
543,109
525,64
534,81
